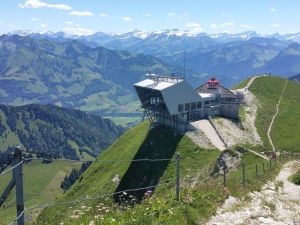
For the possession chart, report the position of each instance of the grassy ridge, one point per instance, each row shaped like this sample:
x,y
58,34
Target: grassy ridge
x,y
284,133
137,143
285,130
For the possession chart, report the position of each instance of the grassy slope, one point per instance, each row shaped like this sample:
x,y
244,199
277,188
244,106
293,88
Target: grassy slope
x,y
195,166
195,161
139,143
285,128
41,186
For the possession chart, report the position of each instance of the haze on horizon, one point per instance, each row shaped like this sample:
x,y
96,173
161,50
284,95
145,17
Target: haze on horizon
x,y
116,16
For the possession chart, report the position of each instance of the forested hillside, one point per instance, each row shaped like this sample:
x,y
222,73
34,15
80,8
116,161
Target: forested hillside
x,y
58,131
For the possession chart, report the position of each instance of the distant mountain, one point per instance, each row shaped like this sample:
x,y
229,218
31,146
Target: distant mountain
x,y
286,63
295,77
71,74
228,57
55,130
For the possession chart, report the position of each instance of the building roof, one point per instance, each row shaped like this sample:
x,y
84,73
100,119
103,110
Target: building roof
x,y
148,83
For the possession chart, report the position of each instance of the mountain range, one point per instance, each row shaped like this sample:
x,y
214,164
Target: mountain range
x,y
97,72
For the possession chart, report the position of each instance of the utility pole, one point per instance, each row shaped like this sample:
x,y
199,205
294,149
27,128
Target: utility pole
x,y
17,180
18,177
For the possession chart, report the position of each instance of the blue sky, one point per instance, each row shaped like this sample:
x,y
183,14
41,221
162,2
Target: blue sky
x,y
121,16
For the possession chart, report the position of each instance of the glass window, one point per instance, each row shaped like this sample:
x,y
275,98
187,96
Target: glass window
x,y
207,102
199,105
180,107
187,106
193,105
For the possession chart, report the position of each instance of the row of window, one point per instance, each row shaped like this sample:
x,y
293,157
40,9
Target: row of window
x,y
189,106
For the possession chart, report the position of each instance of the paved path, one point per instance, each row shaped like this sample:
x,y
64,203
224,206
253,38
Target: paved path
x,y
210,133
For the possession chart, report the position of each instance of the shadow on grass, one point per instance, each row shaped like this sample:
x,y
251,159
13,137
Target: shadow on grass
x,y
160,143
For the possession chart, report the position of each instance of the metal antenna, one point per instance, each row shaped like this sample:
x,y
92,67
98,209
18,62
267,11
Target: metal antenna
x,y
184,64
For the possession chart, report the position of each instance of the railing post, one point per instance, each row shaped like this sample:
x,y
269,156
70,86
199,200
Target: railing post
x,y
264,170
270,164
256,172
178,177
244,176
18,177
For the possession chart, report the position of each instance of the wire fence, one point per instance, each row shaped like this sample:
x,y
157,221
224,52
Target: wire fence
x,y
249,174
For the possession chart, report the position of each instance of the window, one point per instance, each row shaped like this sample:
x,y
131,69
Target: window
x,y
152,101
199,105
207,102
212,101
180,107
193,105
187,106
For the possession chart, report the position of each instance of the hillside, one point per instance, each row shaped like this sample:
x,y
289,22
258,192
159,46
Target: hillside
x,y
57,131
115,177
260,106
73,75
267,91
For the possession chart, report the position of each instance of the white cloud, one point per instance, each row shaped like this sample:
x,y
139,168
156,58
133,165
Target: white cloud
x,y
196,27
44,25
126,18
69,23
171,14
39,4
197,30
103,14
78,31
244,25
147,14
213,25
229,24
224,15
34,19
275,25
0,21
77,13
185,14
272,9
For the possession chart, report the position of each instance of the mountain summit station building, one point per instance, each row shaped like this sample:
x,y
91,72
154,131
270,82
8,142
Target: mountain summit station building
x,y
172,101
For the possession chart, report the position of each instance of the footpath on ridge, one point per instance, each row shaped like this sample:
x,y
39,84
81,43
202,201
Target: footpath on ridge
x,y
277,109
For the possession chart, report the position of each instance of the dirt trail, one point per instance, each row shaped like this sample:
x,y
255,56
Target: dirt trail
x,y
277,203
277,109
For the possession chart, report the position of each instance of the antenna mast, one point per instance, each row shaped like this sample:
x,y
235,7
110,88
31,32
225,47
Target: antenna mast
x,y
184,64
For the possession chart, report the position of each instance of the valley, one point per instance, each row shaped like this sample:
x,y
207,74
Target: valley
x,y
74,99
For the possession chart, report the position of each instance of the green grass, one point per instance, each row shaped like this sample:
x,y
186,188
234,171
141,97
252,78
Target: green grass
x,y
11,139
240,85
284,131
125,121
41,186
85,156
198,199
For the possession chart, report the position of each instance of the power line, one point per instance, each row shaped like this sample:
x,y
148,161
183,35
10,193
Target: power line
x,y
112,160
12,167
88,199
